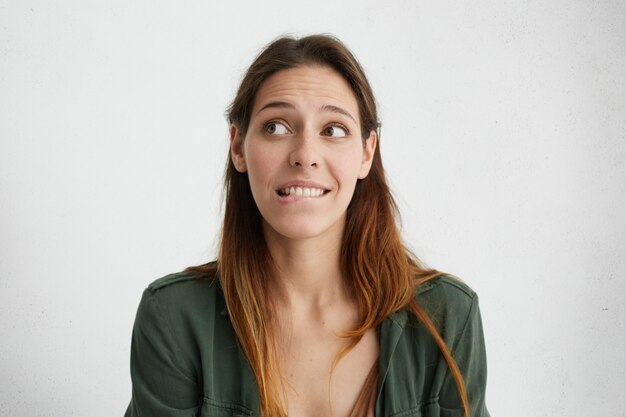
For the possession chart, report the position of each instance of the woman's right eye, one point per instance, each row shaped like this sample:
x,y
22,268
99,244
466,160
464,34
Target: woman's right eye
x,y
276,128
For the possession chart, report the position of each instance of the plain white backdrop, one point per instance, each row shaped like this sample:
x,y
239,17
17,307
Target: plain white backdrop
x,y
504,138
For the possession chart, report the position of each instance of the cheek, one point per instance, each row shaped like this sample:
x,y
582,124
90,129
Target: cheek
x,y
260,162
348,165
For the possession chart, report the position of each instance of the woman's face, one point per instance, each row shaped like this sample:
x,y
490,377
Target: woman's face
x,y
303,151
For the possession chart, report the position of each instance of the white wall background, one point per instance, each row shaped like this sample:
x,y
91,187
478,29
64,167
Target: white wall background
x,y
504,138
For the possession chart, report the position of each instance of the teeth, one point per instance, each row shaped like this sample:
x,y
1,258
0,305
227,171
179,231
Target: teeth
x,y
303,191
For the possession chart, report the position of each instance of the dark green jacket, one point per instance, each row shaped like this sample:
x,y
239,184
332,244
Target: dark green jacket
x,y
185,360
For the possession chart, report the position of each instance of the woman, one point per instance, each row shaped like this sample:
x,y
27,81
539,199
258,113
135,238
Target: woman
x,y
314,306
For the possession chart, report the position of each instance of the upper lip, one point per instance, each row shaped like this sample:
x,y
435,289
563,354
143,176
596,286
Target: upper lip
x,y
303,184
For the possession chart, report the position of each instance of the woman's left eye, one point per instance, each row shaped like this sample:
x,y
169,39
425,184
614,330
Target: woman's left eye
x,y
335,131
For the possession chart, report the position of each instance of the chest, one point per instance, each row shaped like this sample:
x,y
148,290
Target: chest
x,y
313,387
411,373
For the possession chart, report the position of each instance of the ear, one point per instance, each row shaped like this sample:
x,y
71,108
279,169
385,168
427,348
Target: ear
x,y
368,154
236,149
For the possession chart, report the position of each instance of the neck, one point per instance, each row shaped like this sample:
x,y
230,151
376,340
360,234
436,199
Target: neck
x,y
308,271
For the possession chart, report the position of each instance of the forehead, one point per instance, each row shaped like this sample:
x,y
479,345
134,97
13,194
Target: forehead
x,y
315,84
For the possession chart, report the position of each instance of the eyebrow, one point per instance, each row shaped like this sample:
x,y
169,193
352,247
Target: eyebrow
x,y
326,108
335,109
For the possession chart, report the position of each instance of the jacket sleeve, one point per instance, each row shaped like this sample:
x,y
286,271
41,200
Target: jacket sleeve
x,y
469,353
163,384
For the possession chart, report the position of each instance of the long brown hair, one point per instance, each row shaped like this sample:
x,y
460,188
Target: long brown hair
x,y
379,270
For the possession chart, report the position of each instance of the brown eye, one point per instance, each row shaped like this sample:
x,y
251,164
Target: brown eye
x,y
276,128
335,131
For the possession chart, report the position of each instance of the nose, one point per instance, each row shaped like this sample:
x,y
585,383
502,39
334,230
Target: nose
x,y
304,152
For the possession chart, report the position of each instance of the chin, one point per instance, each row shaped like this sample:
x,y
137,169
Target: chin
x,y
300,230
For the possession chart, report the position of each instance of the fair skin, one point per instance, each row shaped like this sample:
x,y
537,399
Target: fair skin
x,y
304,153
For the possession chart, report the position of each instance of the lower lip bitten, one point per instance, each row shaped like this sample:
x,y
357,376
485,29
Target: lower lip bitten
x,y
297,193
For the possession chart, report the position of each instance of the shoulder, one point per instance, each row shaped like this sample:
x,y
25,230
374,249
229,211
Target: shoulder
x,y
449,302
445,288
182,283
451,305
181,298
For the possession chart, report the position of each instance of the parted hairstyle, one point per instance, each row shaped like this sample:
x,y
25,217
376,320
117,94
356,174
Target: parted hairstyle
x,y
379,270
